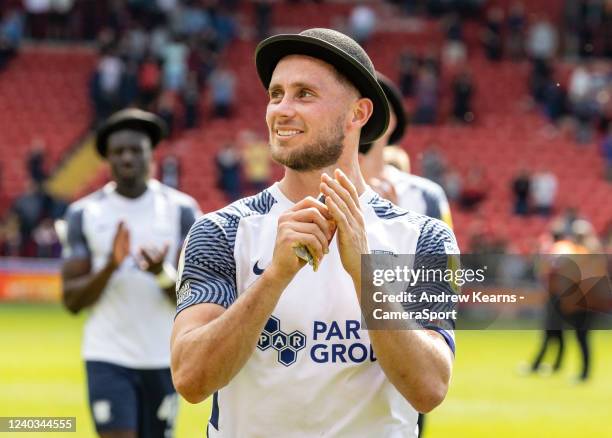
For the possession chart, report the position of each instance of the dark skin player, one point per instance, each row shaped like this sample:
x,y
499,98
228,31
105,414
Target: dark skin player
x,y
129,156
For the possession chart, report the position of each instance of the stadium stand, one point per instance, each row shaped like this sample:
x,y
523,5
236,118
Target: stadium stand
x,y
505,136
43,94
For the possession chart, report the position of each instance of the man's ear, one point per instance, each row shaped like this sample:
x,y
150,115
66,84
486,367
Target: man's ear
x,y
362,111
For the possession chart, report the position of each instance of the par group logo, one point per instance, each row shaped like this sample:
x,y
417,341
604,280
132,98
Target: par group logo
x,y
286,345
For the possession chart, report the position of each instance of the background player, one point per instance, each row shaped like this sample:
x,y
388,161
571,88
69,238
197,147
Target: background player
x,y
241,281
409,191
121,249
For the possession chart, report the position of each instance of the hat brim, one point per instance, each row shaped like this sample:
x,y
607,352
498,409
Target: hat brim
x,y
270,51
153,126
395,100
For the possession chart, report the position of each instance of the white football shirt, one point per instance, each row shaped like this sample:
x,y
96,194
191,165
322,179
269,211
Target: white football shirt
x,y
131,322
313,372
419,194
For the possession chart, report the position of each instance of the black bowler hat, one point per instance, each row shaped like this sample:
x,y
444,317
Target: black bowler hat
x,y
133,119
394,96
395,100
341,52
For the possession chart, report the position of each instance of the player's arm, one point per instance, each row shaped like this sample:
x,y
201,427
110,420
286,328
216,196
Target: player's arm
x,y
211,341
210,344
417,362
80,286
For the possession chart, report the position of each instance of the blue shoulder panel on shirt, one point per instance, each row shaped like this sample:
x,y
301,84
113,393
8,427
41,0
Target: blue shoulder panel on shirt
x,y
432,205
75,244
208,271
436,241
385,209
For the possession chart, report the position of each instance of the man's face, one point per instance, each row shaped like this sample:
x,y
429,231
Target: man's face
x,y
307,113
129,156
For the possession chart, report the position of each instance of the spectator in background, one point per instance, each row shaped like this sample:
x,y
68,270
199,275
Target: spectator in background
x,y
426,97
555,104
224,24
59,19
553,318
431,61
606,151
36,161
129,91
571,26
362,23
543,192
107,82
228,171
37,15
453,185
607,29
540,79
542,40
174,57
492,35
6,52
516,23
256,161
453,27
192,18
170,171
165,7
580,99
590,17
454,50
433,164
135,43
10,237
159,39
474,189
463,90
30,209
166,110
11,34
149,81
191,101
521,190
263,17
222,83
408,70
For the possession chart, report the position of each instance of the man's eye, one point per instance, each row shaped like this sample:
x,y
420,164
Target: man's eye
x,y
306,93
275,95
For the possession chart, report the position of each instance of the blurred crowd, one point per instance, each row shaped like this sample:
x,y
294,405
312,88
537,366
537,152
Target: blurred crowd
x,y
167,56
28,229
161,58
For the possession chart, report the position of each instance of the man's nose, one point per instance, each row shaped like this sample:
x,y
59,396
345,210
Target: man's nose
x,y
285,108
127,155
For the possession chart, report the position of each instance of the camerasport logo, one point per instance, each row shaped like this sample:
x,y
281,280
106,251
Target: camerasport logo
x,y
285,345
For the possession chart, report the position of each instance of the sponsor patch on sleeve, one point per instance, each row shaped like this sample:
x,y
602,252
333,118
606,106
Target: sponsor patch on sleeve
x,y
183,293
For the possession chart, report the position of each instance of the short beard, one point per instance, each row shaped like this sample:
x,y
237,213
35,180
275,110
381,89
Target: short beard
x,y
323,152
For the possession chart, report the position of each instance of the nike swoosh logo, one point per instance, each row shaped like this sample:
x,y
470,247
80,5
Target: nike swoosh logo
x,y
256,269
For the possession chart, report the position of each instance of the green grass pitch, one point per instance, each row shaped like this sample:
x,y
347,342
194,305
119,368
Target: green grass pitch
x,y
41,374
